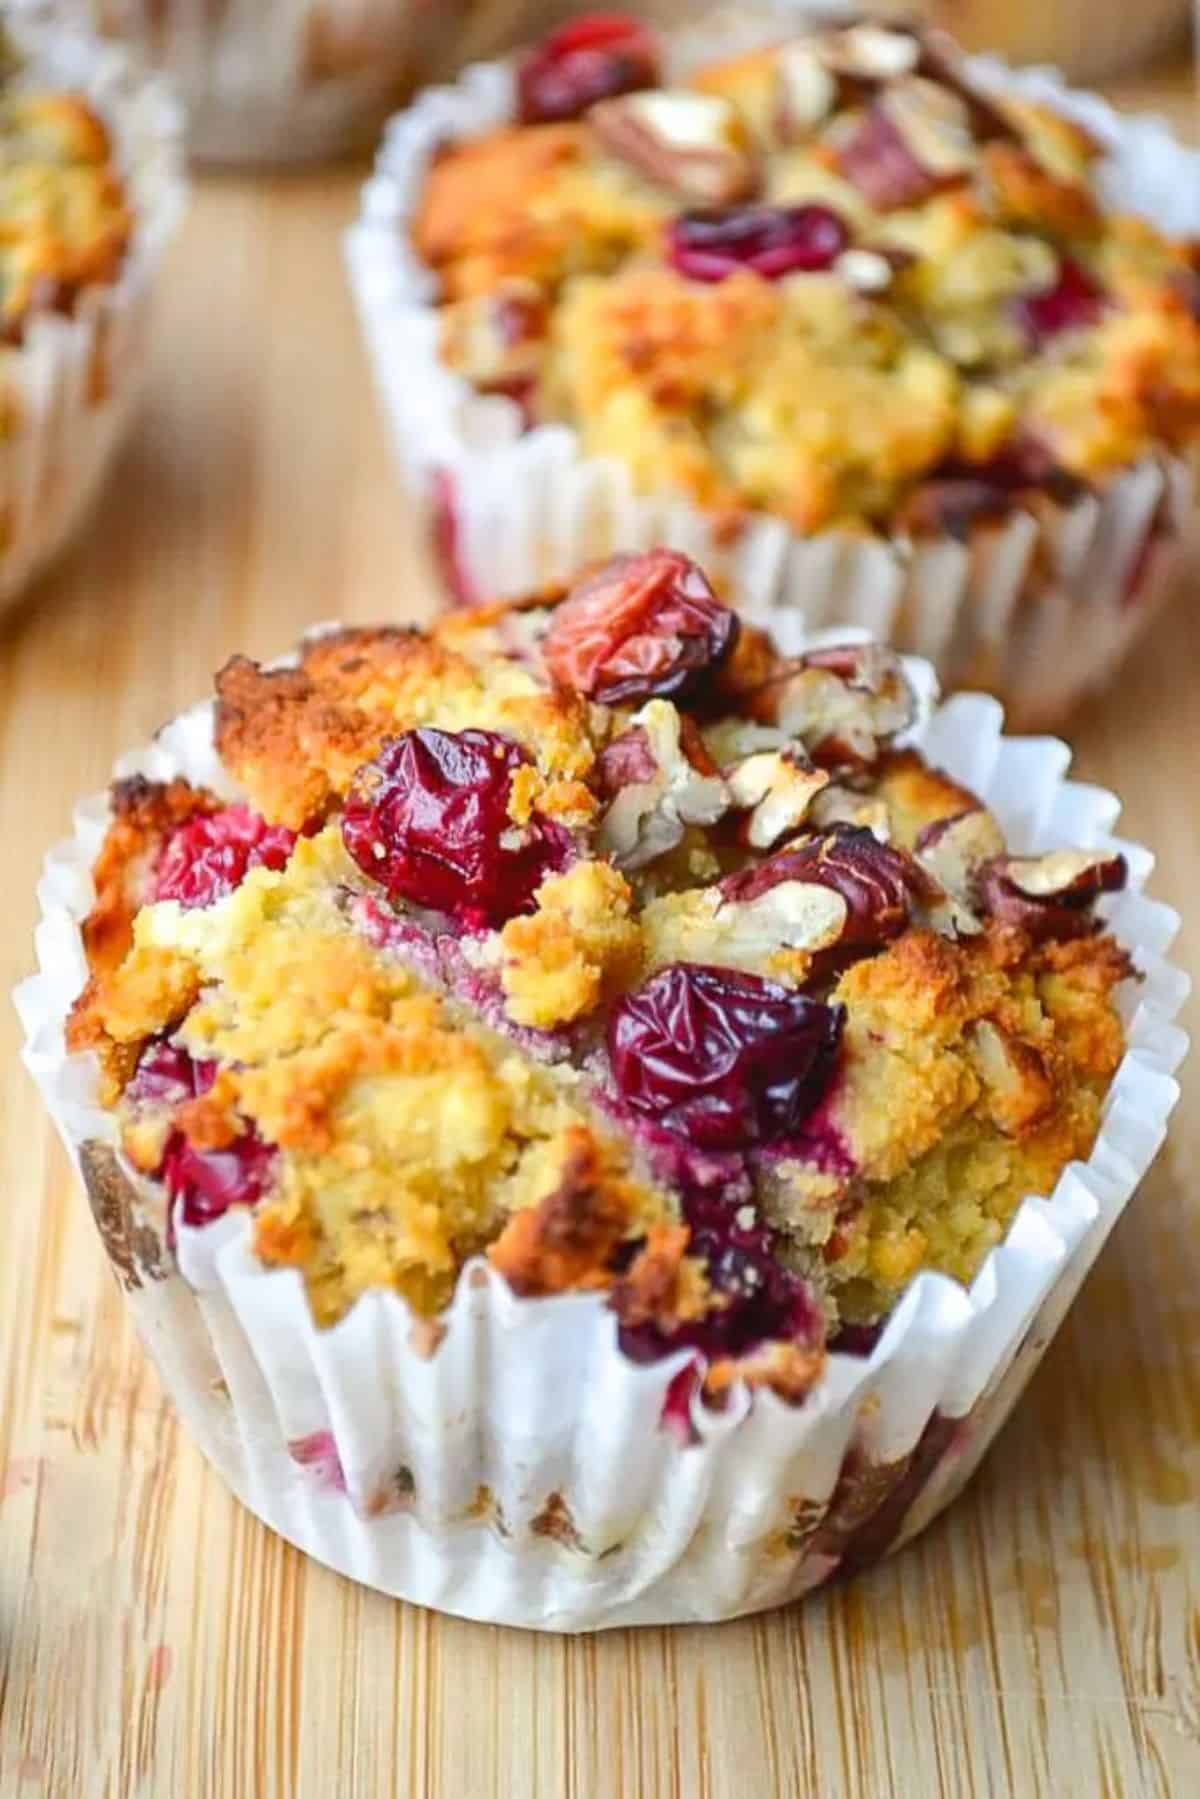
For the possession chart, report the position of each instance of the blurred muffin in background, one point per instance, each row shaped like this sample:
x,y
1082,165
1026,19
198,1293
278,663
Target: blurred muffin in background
x,y
90,191
280,81
1088,39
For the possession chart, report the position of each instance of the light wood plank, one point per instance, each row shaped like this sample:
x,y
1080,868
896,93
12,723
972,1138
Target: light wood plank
x,y
1043,1639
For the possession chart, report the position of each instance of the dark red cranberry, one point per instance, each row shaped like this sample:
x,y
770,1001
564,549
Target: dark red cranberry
x,y
1072,303
210,855
640,627
429,820
206,1182
770,240
591,58
877,882
726,1059
764,1303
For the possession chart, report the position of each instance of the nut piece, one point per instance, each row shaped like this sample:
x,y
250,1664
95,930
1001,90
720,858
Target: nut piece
x,y
878,884
839,805
662,780
776,932
1051,895
934,124
841,703
776,787
694,144
914,139
869,52
952,851
806,91
867,271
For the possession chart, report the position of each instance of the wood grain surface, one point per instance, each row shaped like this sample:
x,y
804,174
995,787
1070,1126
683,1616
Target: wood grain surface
x,y
1041,1639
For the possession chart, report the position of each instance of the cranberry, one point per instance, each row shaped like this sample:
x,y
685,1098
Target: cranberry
x,y
878,883
167,1076
210,855
206,1182
764,1303
639,627
724,1058
591,58
1072,303
770,240
429,820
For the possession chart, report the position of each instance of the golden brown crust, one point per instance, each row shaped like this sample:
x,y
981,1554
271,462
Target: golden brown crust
x,y
566,1239
142,814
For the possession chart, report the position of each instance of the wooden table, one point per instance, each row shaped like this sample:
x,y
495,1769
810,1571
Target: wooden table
x,y
1044,1638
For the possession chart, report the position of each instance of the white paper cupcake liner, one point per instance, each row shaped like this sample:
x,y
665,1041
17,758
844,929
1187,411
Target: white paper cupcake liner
x,y
1040,609
74,382
281,81
513,1466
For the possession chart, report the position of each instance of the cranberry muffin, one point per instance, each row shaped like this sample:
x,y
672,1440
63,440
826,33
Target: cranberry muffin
x,y
593,936
89,195
830,279
877,332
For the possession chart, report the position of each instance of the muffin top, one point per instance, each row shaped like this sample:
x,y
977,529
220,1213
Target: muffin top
x,y
593,935
65,222
830,279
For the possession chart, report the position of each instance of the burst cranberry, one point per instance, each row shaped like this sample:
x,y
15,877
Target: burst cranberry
x,y
209,856
592,58
724,1058
167,1076
770,240
1074,302
764,1302
877,883
206,1182
640,627
429,820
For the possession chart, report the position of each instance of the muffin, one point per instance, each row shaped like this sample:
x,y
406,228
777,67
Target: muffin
x,y
554,1050
89,192
285,81
834,282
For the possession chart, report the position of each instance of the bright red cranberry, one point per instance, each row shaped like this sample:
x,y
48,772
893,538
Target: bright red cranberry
x,y
640,627
210,855
770,240
589,59
726,1059
1074,302
877,882
429,820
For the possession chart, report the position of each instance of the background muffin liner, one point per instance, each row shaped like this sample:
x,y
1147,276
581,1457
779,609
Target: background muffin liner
x,y
508,1463
69,390
277,81
1038,608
